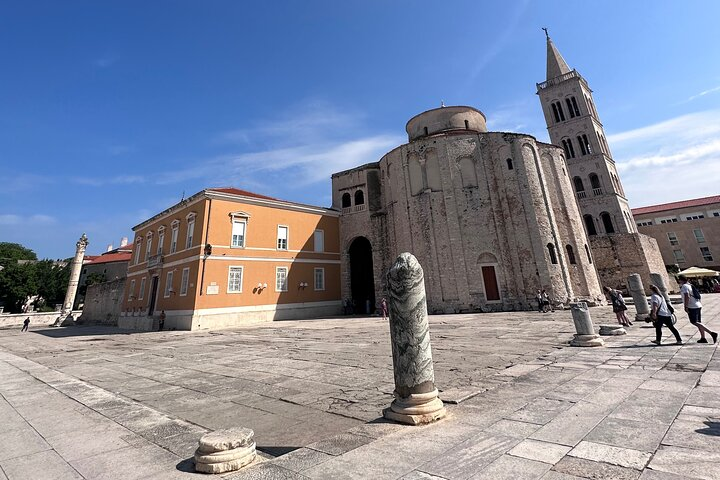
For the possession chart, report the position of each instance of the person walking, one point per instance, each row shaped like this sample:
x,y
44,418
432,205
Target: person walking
x,y
661,316
539,299
691,301
618,304
26,325
384,308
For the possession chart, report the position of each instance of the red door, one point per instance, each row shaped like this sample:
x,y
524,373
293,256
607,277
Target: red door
x,y
491,286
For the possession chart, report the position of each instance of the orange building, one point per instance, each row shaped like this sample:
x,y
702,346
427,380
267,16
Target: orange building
x,y
226,257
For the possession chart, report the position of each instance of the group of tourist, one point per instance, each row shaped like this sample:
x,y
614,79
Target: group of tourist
x,y
662,314
543,301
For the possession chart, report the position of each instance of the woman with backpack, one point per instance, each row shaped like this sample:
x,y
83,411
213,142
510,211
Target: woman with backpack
x,y
618,304
661,315
693,307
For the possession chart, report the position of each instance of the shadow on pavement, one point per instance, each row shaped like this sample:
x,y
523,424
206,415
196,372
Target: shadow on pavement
x,y
77,331
713,428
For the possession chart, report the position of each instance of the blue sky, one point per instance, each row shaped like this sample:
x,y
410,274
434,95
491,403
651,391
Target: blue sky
x,y
110,110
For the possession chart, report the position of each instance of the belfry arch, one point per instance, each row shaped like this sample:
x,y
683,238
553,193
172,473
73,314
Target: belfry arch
x,y
362,280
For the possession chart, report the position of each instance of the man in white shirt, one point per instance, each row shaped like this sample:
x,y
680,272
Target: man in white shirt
x,y
693,307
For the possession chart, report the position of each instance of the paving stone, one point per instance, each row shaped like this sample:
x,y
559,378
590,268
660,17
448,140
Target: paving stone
x,y
512,428
470,457
362,463
695,432
687,462
21,442
642,436
705,397
550,453
540,411
339,444
264,471
302,459
657,475
594,470
418,475
511,468
134,463
623,457
46,465
571,426
559,476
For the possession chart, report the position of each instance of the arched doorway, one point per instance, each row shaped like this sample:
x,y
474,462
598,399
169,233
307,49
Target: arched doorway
x,y
362,283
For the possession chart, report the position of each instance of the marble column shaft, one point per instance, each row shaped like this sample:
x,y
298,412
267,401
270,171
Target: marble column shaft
x,y
416,398
75,269
637,290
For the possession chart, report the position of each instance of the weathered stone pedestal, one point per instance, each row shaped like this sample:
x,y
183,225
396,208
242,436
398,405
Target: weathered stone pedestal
x,y
635,286
225,450
585,336
610,330
416,398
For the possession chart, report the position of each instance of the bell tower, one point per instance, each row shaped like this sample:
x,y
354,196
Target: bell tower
x,y
574,125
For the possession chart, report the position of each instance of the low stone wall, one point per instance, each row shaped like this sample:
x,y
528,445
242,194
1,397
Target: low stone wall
x,y
37,319
103,302
619,255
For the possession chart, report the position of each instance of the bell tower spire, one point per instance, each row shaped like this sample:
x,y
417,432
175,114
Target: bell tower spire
x,y
556,64
574,125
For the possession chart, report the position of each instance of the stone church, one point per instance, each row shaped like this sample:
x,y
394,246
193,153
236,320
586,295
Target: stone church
x,y
494,216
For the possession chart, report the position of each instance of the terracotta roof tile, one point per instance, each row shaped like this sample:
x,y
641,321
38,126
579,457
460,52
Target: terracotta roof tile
x,y
109,258
245,193
696,202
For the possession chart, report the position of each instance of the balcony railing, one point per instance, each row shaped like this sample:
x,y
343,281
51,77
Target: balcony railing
x,y
560,79
581,195
354,208
597,191
155,261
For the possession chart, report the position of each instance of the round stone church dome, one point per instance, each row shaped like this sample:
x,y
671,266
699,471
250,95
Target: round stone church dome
x,y
445,119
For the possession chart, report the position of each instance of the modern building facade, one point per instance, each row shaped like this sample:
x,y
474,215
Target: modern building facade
x,y
227,257
574,125
688,232
490,216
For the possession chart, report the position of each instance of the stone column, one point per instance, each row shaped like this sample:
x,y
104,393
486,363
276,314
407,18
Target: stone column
x,y
416,398
75,269
637,291
658,280
585,336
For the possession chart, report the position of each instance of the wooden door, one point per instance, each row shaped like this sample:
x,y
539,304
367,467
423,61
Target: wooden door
x,y
492,292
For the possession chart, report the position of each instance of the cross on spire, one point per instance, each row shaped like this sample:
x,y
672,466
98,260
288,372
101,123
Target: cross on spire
x,y
547,35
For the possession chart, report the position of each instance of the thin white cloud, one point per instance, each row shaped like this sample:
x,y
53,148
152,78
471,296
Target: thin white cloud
x,y
116,180
10,219
670,160
703,93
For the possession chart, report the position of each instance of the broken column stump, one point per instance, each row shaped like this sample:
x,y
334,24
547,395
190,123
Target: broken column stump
x,y
585,336
637,290
416,398
225,450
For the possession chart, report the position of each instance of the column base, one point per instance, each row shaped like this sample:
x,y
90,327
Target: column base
x,y
587,341
416,409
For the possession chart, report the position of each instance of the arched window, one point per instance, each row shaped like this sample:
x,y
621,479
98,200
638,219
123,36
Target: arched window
x,y
575,106
571,254
594,180
579,187
570,109
509,163
589,224
359,198
568,147
607,222
346,200
551,252
587,251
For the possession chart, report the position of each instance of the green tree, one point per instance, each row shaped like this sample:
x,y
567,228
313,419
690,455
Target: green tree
x,y
15,251
52,281
18,281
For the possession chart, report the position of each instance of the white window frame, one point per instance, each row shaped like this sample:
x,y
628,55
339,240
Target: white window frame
x,y
234,269
321,235
321,286
175,228
138,247
190,234
168,284
161,240
679,258
238,221
278,287
184,280
660,220
141,293
701,237
707,254
672,238
148,247
287,237
132,288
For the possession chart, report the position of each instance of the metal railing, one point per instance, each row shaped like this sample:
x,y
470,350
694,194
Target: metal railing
x,y
581,195
597,191
560,79
155,261
354,208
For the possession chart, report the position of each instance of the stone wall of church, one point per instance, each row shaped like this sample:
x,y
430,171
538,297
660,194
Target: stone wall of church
x,y
468,203
103,302
620,255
